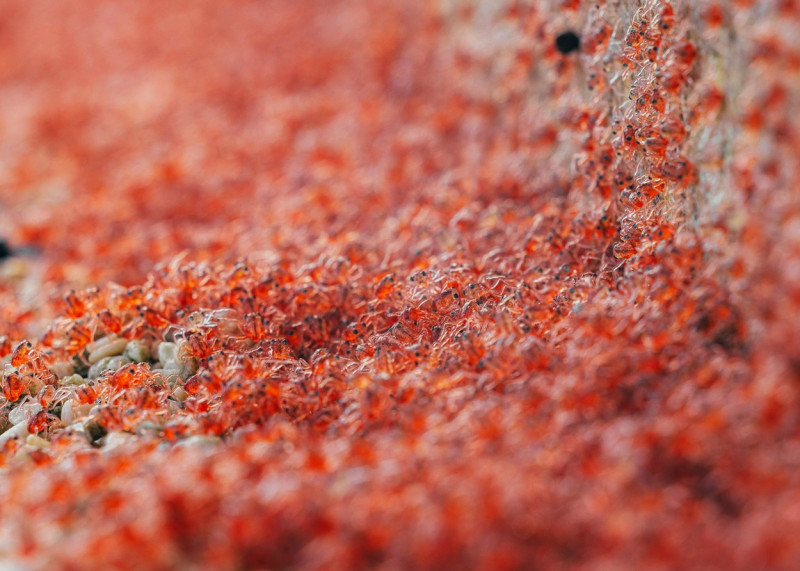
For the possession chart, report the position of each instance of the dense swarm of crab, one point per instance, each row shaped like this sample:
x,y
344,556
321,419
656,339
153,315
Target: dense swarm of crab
x,y
400,284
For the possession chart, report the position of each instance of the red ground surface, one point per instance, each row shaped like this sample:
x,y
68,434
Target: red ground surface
x,y
442,297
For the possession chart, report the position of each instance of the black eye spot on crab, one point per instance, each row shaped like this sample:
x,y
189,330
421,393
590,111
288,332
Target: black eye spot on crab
x,y
5,250
568,42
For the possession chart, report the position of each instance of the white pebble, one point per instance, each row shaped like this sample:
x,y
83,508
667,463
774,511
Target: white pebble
x,y
97,369
109,349
78,429
148,427
15,269
23,412
67,412
168,354
137,351
171,376
18,430
62,369
72,381
82,410
115,439
97,343
198,441
117,362
36,441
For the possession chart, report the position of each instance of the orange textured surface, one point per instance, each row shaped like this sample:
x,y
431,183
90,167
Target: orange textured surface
x,y
395,284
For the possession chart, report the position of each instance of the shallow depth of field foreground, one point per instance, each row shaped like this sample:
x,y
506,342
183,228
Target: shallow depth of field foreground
x,y
398,284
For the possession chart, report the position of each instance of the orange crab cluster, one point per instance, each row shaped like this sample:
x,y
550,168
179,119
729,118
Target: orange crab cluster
x,y
399,284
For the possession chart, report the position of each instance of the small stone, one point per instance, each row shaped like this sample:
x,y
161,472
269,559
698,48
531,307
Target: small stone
x,y
188,367
70,411
115,439
168,355
36,441
118,362
137,351
15,269
98,343
5,424
78,429
22,413
198,441
97,369
62,369
72,381
187,361
148,427
108,349
171,376
180,394
82,409
19,430
35,384
67,412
